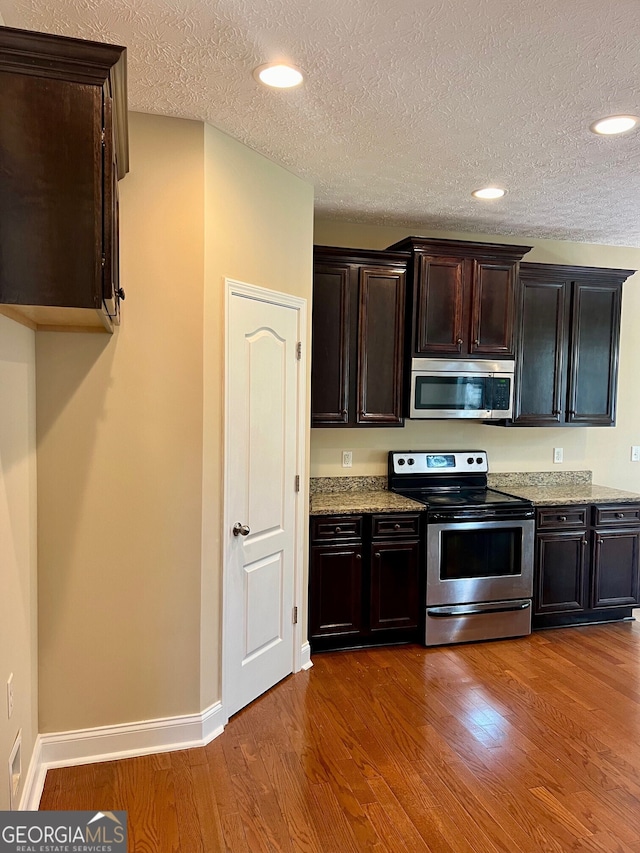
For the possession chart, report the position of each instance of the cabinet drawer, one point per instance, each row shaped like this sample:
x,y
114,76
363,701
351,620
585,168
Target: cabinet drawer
x,y
562,517
340,527
620,515
395,526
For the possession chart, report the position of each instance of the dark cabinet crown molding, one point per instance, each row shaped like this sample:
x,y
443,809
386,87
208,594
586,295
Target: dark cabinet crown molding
x,y
567,272
76,61
459,248
360,256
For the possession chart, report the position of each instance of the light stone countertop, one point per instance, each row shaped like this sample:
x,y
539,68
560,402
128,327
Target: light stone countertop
x,y
554,488
360,501
582,493
356,495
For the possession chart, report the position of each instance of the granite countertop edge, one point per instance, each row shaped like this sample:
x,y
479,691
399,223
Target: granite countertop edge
x,y
359,495
357,502
591,493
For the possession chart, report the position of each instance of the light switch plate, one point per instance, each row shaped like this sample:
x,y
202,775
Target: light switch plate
x,y
635,452
558,454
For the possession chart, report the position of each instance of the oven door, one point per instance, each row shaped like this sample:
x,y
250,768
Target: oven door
x,y
479,561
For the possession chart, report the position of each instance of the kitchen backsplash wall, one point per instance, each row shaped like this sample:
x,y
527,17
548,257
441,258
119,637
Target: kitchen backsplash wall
x,y
606,450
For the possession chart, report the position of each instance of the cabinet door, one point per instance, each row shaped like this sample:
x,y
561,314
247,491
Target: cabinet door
x,y
110,216
560,572
330,345
540,391
615,568
51,187
394,586
492,308
380,346
335,590
593,370
439,308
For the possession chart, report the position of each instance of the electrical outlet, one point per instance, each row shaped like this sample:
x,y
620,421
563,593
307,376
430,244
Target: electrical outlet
x,y
347,458
635,453
10,696
558,454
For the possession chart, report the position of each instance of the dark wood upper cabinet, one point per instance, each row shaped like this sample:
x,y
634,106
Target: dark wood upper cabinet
x,y
358,337
380,345
330,343
63,147
463,301
567,345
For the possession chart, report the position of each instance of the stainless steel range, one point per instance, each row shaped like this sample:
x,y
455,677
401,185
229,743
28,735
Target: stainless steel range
x,y
479,546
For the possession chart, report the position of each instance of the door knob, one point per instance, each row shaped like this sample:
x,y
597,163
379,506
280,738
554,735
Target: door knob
x,y
241,529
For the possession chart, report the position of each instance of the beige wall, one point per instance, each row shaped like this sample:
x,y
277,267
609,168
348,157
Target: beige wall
x,y
605,451
130,432
18,581
259,230
120,463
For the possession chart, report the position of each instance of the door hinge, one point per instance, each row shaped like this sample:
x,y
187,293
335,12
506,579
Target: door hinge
x,y
102,137
299,350
297,482
295,615
104,261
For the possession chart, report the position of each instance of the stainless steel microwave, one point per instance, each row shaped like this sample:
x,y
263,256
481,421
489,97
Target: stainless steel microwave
x,y
448,388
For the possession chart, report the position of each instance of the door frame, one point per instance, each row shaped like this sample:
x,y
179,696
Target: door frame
x,y
285,300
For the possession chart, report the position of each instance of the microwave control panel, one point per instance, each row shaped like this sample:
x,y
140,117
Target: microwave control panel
x,y
501,394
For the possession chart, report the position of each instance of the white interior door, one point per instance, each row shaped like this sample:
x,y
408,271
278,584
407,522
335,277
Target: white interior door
x,y
262,457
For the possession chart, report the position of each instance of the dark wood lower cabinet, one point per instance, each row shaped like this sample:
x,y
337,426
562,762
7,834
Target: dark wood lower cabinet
x,y
615,568
394,586
365,582
561,563
587,564
335,590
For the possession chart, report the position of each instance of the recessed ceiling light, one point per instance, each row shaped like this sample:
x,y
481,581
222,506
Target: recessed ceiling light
x,y
488,192
614,124
278,75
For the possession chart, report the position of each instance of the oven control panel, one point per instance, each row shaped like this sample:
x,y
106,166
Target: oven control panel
x,y
440,462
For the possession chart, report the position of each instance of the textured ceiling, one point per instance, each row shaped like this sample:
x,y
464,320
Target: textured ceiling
x,y
408,106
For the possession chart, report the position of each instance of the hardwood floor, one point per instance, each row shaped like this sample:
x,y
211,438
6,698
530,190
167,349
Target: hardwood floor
x,y
516,746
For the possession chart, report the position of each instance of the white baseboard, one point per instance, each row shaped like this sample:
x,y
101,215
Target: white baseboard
x,y
34,780
110,743
305,657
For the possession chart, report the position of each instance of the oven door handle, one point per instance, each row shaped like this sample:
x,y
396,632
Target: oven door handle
x,y
477,609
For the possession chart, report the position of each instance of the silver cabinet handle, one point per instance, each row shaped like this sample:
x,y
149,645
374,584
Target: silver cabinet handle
x,y
619,515
241,529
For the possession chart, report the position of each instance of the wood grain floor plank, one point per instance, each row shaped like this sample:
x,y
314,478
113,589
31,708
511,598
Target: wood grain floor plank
x,y
209,821
150,802
523,746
